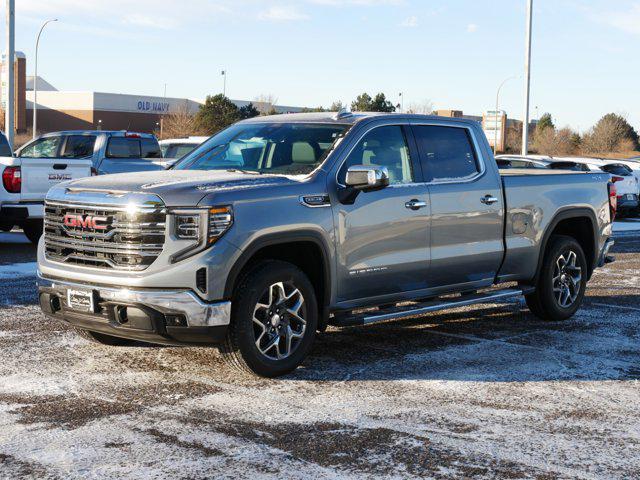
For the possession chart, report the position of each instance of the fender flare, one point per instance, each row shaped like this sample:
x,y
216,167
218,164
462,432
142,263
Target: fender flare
x,y
566,214
270,240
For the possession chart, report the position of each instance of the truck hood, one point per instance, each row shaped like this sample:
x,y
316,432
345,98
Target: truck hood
x,y
177,188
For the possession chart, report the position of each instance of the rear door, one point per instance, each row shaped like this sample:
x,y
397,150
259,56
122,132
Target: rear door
x,y
131,154
466,207
47,161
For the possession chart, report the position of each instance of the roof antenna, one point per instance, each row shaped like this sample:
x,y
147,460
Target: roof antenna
x,y
343,113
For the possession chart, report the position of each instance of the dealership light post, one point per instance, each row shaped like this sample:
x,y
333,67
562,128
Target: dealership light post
x,y
10,68
495,139
35,79
527,80
224,84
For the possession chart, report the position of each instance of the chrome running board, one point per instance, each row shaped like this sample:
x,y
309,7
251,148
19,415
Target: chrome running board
x,y
397,313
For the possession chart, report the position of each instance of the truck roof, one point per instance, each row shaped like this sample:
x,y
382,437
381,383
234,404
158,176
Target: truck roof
x,y
96,132
347,118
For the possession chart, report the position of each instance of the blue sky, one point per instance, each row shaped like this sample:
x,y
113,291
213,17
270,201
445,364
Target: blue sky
x,y
454,53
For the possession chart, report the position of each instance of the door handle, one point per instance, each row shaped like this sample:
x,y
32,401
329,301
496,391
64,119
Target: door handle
x,y
415,204
59,166
489,200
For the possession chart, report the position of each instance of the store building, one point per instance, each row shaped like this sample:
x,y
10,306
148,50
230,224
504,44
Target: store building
x,y
87,110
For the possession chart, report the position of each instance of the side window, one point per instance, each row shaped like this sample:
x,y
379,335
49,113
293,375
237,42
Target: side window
x,y
384,146
150,148
79,146
122,147
5,149
42,148
447,152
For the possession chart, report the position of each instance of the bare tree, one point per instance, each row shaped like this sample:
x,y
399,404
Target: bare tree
x,y
612,134
425,107
265,103
549,141
180,124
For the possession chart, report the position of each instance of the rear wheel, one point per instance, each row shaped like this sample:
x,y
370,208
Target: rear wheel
x,y
273,321
562,281
33,230
104,339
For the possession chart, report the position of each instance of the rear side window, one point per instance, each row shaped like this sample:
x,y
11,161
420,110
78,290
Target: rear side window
x,y
79,146
5,149
123,147
42,148
619,170
447,153
150,148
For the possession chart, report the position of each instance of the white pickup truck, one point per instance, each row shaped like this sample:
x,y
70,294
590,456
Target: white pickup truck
x,y
26,181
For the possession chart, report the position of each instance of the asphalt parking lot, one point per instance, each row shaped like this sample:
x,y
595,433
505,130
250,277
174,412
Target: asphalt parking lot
x,y
487,391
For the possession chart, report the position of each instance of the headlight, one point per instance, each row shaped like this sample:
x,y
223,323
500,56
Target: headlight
x,y
200,227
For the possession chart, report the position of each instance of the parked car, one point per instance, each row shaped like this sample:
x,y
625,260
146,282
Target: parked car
x,y
343,219
25,182
176,148
627,188
109,151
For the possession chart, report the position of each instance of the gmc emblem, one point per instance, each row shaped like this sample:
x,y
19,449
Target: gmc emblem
x,y
85,222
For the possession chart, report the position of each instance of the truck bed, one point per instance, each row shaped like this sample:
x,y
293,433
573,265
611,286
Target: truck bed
x,y
533,198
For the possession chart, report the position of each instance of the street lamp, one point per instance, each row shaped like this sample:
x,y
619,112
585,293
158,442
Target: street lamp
x,y
401,102
35,79
495,139
224,85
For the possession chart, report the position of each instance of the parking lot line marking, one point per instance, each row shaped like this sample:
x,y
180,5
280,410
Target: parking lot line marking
x,y
635,309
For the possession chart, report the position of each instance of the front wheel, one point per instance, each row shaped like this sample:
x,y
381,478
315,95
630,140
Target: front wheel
x,y
273,320
562,281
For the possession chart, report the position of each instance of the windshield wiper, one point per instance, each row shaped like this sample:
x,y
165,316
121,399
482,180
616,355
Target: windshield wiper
x,y
247,172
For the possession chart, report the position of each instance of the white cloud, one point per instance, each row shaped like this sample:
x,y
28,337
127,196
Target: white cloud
x,y
410,22
628,21
364,3
283,14
472,28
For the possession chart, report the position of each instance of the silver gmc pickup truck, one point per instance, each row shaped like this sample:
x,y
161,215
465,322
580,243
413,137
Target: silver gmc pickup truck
x,y
279,226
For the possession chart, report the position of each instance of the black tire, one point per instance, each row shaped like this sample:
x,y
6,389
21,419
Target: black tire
x,y
104,339
240,350
549,304
33,230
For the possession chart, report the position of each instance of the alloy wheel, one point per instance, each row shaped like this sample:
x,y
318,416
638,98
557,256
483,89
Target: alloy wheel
x,y
279,320
567,279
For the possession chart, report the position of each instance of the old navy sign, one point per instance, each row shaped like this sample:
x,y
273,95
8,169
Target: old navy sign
x,y
159,107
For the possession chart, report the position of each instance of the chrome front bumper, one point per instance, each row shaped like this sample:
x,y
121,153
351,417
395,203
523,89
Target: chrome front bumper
x,y
184,302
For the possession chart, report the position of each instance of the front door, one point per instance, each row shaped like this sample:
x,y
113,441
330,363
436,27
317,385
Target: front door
x,y
382,240
467,208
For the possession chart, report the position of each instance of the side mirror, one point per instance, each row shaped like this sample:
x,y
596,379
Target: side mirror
x,y
362,178
366,178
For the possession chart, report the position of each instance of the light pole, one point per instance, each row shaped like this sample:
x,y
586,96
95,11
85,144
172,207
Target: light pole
x,y
35,79
495,139
10,66
224,84
401,102
527,80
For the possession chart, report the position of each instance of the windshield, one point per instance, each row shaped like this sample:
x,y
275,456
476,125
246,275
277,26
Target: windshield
x,y
277,148
177,150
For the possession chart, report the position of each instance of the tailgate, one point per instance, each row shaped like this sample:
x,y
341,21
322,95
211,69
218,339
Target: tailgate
x,y
40,174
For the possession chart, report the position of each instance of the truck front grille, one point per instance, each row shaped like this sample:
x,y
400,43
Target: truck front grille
x,y
116,238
